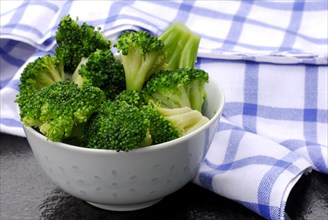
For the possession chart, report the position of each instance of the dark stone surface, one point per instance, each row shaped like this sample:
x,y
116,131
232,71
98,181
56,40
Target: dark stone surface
x,y
27,193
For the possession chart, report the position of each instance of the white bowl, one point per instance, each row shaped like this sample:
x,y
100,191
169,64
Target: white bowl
x,y
123,181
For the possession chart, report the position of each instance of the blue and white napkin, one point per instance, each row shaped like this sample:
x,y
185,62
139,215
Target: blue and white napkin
x,y
270,57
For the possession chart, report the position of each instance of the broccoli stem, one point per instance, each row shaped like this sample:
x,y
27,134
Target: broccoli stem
x,y
44,80
185,118
189,52
139,70
56,71
181,46
197,95
173,100
76,77
147,141
199,124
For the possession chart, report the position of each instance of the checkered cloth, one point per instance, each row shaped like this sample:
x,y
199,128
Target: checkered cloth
x,y
270,57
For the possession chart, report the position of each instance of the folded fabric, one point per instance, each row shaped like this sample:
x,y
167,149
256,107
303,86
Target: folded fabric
x,y
273,129
251,170
275,122
281,32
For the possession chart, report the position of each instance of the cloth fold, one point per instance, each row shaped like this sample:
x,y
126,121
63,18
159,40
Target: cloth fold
x,y
278,32
251,170
269,57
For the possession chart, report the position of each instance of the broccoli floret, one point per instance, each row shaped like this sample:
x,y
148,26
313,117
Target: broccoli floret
x,y
76,41
142,54
42,72
181,46
61,107
103,70
29,107
177,88
124,124
184,119
132,97
160,129
117,126
167,124
38,74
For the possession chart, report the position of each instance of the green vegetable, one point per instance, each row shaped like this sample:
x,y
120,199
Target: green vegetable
x,y
174,123
177,88
117,126
42,72
181,46
123,126
103,70
76,41
84,96
131,97
142,55
159,129
167,124
58,109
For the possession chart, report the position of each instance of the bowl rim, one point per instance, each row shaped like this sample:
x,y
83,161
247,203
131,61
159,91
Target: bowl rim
x,y
150,148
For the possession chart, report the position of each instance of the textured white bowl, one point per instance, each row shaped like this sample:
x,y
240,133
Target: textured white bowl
x,y
131,180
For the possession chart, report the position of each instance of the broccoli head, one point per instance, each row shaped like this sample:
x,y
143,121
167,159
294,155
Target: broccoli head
x,y
181,46
177,88
42,72
59,108
167,124
184,119
103,70
131,97
76,41
160,129
38,74
117,126
142,54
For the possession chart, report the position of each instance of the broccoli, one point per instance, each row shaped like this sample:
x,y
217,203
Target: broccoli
x,y
117,126
181,46
42,72
131,97
177,88
36,75
84,96
76,41
103,70
57,109
123,126
167,124
142,54
160,129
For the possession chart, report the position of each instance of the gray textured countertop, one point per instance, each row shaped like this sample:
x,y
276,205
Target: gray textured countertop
x,y
27,193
